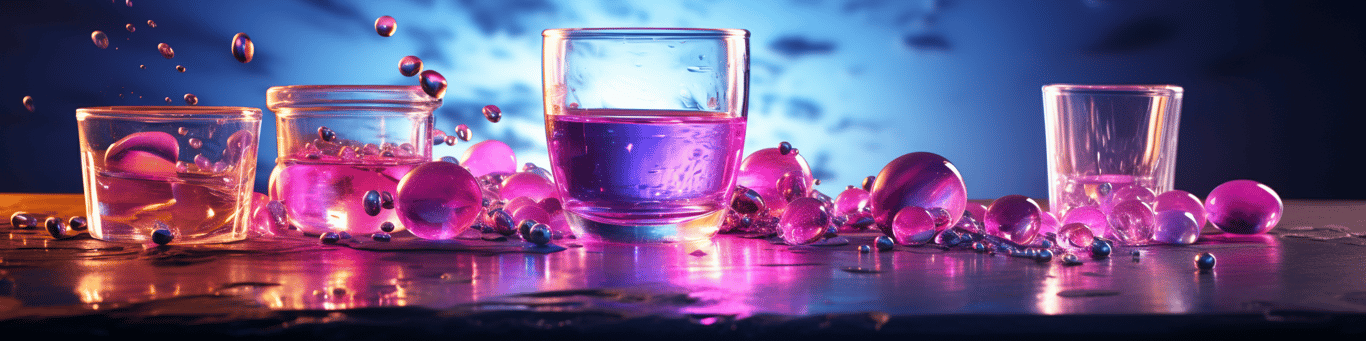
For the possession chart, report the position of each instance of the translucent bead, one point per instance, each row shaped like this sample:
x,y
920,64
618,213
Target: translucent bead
x,y
762,169
1014,217
1091,216
784,148
1181,201
1176,227
913,226
803,221
527,185
463,133
746,201
242,48
149,153
385,26
918,179
493,113
438,200
381,237
1075,237
191,99
977,209
387,226
1131,222
329,237
410,66
851,202
1243,207
865,249
490,156
432,83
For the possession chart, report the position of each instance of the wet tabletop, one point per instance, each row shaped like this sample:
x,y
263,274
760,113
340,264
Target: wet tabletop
x,y
1312,262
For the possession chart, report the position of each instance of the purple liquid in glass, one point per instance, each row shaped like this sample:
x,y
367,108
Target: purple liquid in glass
x,y
639,167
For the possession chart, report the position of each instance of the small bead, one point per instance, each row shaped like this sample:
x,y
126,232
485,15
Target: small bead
x,y
1071,259
884,243
386,200
1100,249
329,237
386,226
1044,256
344,235
22,220
540,234
1204,261
162,236
77,223
371,203
326,134
381,237
865,249
785,148
56,227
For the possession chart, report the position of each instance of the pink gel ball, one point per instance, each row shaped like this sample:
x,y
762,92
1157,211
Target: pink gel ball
x,y
1243,207
528,185
1091,216
1014,217
804,221
438,200
1180,200
913,226
978,210
918,179
148,153
491,156
761,170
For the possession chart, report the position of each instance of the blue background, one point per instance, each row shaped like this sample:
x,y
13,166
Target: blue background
x,y
1270,86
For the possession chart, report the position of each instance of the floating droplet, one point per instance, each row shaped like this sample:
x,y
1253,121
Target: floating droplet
x,y
489,156
451,140
371,202
1015,217
913,226
1131,222
180,68
762,169
438,200
784,148
1244,207
463,132
1176,227
196,143
329,237
1075,237
151,24
168,100
1204,261
28,103
191,99
166,50
409,66
527,185
101,40
130,28
386,200
492,113
242,47
326,134
433,84
128,3
385,26
916,180
803,221
144,67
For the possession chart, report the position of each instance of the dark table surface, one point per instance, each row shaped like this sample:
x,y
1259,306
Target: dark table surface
x,y
1304,278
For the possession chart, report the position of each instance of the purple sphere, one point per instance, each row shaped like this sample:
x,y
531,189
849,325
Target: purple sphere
x,y
1047,222
1075,237
1243,207
438,200
1015,217
1181,201
851,202
804,221
1091,216
1131,222
1131,191
917,179
527,185
490,156
913,226
1176,227
148,153
978,210
762,169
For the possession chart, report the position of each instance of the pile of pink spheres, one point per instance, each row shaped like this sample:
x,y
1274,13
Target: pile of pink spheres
x,y
920,198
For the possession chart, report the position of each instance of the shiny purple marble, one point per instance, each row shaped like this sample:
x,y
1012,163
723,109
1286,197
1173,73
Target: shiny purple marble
x,y
1181,201
514,204
1075,237
804,221
1015,217
913,226
528,185
438,200
530,212
1176,227
1091,216
792,185
850,202
918,179
1131,222
432,83
978,210
761,170
491,156
1131,191
1244,207
148,153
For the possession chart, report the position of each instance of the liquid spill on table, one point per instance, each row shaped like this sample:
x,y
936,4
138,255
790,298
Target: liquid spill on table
x,y
1305,264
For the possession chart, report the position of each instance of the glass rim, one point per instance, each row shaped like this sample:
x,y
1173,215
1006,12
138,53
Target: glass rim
x,y
643,32
308,96
181,112
1120,89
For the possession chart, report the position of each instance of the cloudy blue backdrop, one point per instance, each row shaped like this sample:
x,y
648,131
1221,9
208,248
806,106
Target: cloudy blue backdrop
x,y
1270,86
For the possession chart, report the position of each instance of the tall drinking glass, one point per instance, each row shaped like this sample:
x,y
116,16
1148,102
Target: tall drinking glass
x,y
646,128
185,169
339,142
1108,144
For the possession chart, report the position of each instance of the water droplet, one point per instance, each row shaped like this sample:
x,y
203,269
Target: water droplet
x,y
168,100
371,202
1244,207
1176,227
382,236
915,180
101,40
463,132
409,66
130,28
1131,222
387,226
326,134
761,171
144,67
166,50
433,84
804,221
128,3
492,113
1204,261
1015,217
242,47
151,24
438,200
913,226
385,26
23,220
784,148
28,103
191,99
180,68
329,237
196,143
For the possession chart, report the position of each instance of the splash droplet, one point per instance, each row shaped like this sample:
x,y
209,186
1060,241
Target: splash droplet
x,y
490,156
196,143
191,99
438,200
1244,207
463,133
492,113
130,28
28,103
128,3
180,68
410,66
804,221
242,47
166,50
385,26
168,100
151,24
101,40
433,84
144,67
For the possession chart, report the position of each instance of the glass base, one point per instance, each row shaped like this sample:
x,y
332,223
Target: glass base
x,y
699,229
